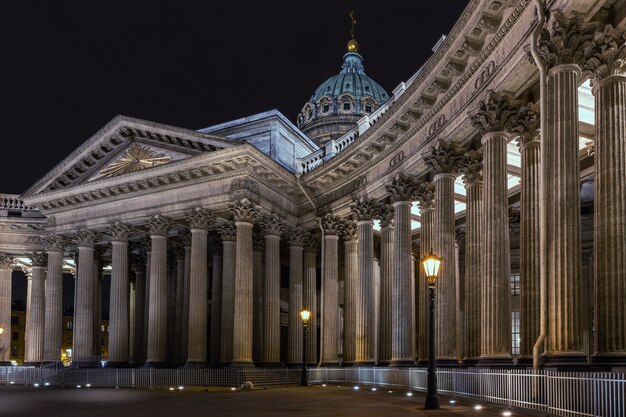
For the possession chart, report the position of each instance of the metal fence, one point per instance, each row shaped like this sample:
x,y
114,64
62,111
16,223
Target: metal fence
x,y
147,377
568,394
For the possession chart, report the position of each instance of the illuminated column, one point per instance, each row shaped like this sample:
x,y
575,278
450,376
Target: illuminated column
x,y
444,161
216,302
609,90
296,238
199,220
386,284
471,169
273,228
157,318
494,118
139,266
244,213
146,309
258,276
365,210
6,263
53,328
565,343
309,294
425,197
179,356
84,306
351,290
36,309
228,232
330,292
401,193
186,239
118,310
526,128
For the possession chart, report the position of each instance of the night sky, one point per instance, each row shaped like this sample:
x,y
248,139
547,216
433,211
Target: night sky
x,y
68,67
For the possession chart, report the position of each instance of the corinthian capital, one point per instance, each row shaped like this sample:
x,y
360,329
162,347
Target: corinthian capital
x,y
297,236
402,188
39,259
444,158
472,167
526,127
564,41
199,218
385,215
425,196
244,211
119,232
159,225
85,238
53,242
348,230
365,208
607,56
311,244
228,231
494,114
272,225
6,261
331,224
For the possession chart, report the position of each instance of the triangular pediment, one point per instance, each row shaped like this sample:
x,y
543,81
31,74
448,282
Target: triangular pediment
x,y
126,145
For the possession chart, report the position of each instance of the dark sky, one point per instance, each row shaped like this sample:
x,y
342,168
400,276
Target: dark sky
x,y
68,67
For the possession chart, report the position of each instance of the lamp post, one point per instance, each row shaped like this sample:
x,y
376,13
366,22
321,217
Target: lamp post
x,y
431,265
305,314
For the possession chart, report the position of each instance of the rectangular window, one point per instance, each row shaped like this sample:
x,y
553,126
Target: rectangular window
x,y
515,284
346,105
326,108
515,332
368,109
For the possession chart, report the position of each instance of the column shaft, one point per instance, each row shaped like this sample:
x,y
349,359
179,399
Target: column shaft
x,y
146,310
84,309
216,308
242,326
198,288
330,306
157,322
426,244
351,300
310,301
386,280
365,315
140,295
118,311
186,296
5,310
53,329
473,270
228,301
295,304
36,310
258,277
271,301
179,357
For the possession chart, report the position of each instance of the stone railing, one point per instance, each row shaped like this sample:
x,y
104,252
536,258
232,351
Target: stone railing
x,y
13,202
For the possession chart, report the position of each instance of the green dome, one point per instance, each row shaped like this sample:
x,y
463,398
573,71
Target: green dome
x,y
351,80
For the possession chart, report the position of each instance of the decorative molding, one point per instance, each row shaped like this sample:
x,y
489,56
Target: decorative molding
x,y
471,167
297,236
402,188
85,238
331,224
425,196
564,41
444,157
385,215
53,242
397,159
272,225
365,209
245,183
228,231
244,211
526,127
39,259
607,55
437,125
135,158
494,114
349,230
119,232
159,225
199,218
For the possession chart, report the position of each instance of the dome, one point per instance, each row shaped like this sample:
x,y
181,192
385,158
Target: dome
x,y
340,101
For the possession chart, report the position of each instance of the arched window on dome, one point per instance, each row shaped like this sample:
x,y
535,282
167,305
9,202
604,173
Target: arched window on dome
x,y
325,104
368,105
347,103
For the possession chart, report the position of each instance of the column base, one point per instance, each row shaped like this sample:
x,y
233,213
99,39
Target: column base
x,y
525,362
116,364
565,362
196,364
422,362
155,364
383,364
364,363
51,363
5,363
347,364
85,364
273,365
495,362
446,363
31,363
470,362
610,361
401,363
333,364
241,364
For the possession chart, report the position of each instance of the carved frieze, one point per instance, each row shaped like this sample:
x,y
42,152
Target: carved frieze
x,y
245,183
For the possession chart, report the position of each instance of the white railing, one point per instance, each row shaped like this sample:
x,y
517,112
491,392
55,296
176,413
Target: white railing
x,y
569,394
147,377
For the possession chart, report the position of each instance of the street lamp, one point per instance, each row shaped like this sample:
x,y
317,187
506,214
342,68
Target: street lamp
x,y
305,314
431,264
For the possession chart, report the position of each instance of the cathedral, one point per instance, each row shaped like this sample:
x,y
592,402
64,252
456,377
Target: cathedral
x,y
504,154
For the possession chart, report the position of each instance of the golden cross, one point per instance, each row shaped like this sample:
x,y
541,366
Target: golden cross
x,y
353,19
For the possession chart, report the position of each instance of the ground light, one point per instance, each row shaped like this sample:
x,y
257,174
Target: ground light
x,y
11,382
478,407
323,385
47,384
507,413
88,385
180,388
390,392
452,401
171,388
36,385
233,389
373,388
356,388
78,386
409,394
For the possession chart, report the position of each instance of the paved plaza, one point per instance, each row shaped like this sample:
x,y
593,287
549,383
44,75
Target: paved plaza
x,y
273,402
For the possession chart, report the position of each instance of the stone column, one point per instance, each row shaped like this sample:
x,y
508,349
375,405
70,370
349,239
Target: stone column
x,y
526,129
53,329
402,191
244,213
36,309
228,232
186,242
98,265
258,276
471,169
6,263
309,294
216,302
84,308
609,90
146,310
118,303
365,210
444,160
351,291
139,267
179,356
157,318
132,311
385,215
199,220
565,344
296,238
330,292
494,118
272,228
425,197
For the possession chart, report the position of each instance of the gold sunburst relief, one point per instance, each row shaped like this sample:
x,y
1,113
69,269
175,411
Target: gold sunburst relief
x,y
135,158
